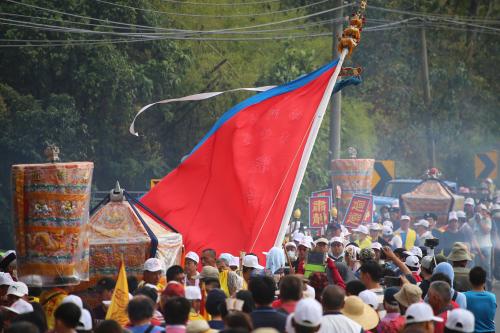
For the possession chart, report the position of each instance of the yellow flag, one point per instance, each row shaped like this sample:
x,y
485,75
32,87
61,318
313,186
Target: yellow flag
x,y
118,307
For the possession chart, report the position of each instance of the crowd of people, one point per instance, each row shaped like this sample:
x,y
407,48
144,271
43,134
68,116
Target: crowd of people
x,y
392,276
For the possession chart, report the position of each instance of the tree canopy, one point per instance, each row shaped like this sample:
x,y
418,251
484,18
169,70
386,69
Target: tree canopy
x,y
80,88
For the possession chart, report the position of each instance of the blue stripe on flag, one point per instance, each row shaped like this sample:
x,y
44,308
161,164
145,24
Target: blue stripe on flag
x,y
283,89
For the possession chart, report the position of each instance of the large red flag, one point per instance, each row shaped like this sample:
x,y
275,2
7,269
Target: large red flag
x,y
232,191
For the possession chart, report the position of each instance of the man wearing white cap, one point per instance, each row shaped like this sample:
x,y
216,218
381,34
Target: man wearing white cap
x,y
388,236
302,249
363,240
321,245
190,268
291,252
465,228
307,316
413,263
423,232
193,295
152,273
336,249
469,205
407,234
16,291
420,315
451,235
297,238
375,231
85,323
250,264
5,282
459,321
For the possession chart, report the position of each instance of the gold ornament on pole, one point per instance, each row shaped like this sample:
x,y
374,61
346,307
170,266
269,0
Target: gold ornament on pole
x,y
297,213
351,35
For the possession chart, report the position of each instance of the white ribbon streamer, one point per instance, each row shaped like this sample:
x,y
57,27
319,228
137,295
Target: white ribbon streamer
x,y
196,97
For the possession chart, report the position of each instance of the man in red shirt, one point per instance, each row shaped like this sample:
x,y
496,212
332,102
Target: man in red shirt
x,y
439,295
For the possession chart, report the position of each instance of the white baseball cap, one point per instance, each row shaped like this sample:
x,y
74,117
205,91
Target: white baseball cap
x,y
405,217
5,279
388,223
20,306
337,240
452,216
291,244
85,323
415,251
298,237
361,229
18,289
461,214
153,265
306,243
321,240
309,239
235,261
412,261
427,262
376,246
422,223
420,312
460,320
375,227
251,261
73,299
370,298
193,293
469,201
387,231
193,256
308,312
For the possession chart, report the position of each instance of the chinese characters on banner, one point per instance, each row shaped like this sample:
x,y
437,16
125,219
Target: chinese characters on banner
x,y
319,211
360,210
324,193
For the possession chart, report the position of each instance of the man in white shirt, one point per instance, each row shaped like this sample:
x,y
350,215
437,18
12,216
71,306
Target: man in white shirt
x,y
394,240
333,320
423,233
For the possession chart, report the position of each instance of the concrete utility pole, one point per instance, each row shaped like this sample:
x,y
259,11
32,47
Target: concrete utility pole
x,y
431,144
336,103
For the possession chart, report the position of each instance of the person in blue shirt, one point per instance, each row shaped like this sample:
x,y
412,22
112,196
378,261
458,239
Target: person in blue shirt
x,y
140,311
480,302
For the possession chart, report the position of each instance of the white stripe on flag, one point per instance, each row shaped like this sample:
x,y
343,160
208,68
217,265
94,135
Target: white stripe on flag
x,y
196,97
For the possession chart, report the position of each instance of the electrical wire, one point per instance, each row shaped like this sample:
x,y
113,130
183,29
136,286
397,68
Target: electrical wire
x,y
45,27
177,34
189,31
246,3
382,28
429,15
213,16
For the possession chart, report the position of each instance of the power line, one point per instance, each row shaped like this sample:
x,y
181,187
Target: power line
x,y
47,27
210,15
246,3
381,28
188,31
429,15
